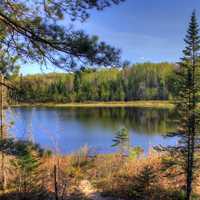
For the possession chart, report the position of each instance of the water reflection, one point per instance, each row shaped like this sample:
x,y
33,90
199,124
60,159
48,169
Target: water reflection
x,y
150,121
67,129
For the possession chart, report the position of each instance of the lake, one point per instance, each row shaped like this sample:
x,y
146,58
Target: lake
x,y
66,130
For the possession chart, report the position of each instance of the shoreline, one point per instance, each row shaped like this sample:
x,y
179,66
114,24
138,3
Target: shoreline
x,y
113,104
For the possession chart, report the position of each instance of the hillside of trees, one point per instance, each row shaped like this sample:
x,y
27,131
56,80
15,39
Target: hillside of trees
x,y
147,81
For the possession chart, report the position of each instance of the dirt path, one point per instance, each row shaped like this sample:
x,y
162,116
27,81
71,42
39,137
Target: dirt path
x,y
90,192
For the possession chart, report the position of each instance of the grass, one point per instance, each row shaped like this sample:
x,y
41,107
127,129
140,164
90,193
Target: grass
x,y
139,104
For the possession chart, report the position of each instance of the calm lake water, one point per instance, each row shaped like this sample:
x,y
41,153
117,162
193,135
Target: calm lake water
x,y
68,129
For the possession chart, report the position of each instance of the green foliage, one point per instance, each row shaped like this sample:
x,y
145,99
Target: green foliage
x,y
25,159
121,141
8,64
145,185
181,195
135,152
140,82
185,154
33,31
27,164
19,148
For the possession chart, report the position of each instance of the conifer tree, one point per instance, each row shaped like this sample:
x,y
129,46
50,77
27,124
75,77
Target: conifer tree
x,y
189,82
145,184
122,141
185,153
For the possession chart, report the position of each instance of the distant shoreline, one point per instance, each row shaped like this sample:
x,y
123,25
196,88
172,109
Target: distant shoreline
x,y
139,104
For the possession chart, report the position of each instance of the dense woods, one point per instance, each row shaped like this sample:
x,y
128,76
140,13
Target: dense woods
x,y
146,81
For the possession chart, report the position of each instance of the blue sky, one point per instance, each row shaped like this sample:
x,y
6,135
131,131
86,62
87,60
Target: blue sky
x,y
145,30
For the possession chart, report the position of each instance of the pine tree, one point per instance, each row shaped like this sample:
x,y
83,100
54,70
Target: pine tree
x,y
184,154
26,160
32,31
145,184
122,141
28,167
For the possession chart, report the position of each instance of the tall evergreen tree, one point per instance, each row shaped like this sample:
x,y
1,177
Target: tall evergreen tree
x,y
185,153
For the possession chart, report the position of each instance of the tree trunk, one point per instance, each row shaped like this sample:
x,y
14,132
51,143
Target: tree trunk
x,y
55,183
3,175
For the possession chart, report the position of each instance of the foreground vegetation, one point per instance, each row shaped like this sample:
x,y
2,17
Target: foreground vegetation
x,y
134,177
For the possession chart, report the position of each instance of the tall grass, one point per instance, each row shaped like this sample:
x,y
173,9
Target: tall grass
x,y
111,175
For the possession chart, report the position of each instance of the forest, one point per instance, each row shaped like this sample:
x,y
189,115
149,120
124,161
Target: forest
x,y
147,81
50,33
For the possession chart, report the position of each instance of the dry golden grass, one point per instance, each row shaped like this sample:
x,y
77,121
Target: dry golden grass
x,y
111,175
140,104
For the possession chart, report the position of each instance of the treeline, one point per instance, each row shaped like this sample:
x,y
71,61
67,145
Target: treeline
x,y
146,81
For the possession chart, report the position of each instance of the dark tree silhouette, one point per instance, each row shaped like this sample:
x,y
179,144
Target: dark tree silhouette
x,y
185,153
32,31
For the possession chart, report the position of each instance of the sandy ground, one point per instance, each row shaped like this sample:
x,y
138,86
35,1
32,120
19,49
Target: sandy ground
x,y
90,192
